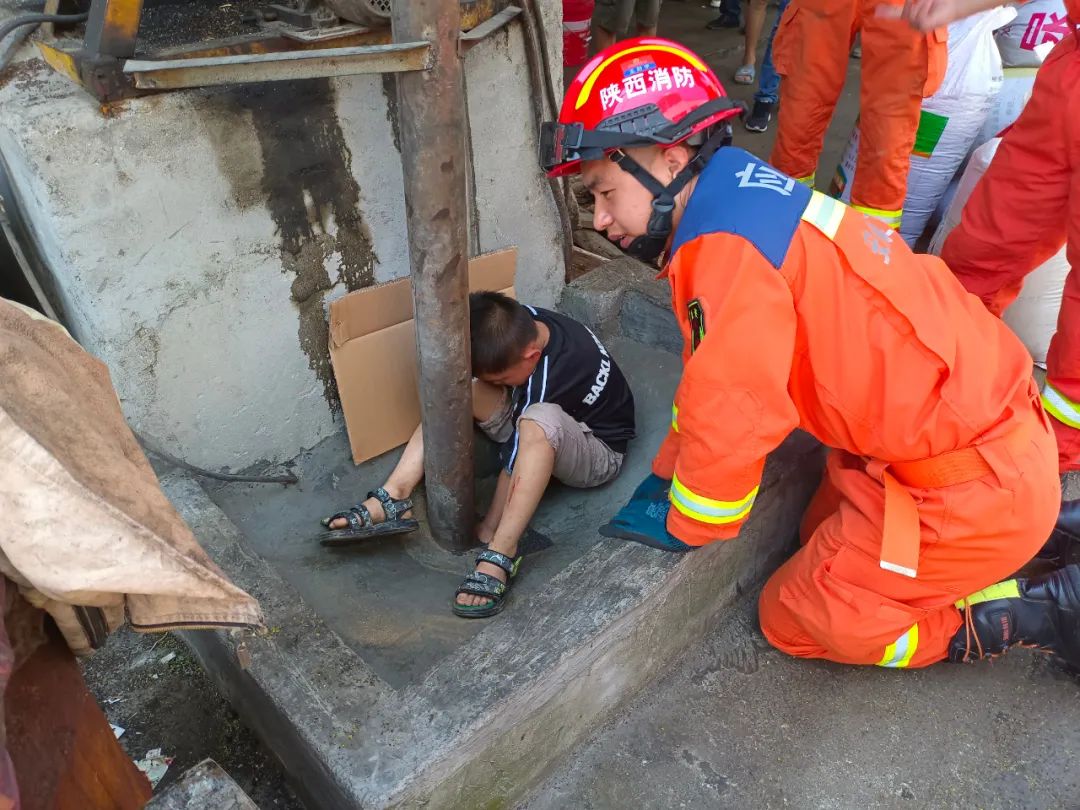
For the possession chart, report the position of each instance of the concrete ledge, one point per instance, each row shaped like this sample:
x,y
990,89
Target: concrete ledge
x,y
597,298
630,612
202,787
494,714
493,718
290,685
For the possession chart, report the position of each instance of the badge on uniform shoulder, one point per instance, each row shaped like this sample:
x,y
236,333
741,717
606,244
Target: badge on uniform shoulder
x,y
696,315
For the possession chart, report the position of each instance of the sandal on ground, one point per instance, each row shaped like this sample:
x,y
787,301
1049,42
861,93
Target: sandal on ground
x,y
745,75
480,584
363,527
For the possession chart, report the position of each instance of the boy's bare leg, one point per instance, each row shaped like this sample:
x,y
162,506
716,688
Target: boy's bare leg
x,y
532,472
485,530
409,471
402,481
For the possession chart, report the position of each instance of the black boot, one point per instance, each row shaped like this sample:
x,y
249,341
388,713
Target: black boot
x,y
1065,537
1042,611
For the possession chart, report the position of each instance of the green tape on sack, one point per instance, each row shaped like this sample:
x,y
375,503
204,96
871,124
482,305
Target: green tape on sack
x,y
931,128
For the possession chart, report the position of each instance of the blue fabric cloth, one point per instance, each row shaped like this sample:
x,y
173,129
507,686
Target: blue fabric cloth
x,y
769,80
644,518
739,193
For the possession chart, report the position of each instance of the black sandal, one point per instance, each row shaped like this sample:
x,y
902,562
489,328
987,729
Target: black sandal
x,y
362,527
480,584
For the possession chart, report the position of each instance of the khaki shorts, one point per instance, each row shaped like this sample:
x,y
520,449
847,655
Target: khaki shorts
x,y
581,459
614,15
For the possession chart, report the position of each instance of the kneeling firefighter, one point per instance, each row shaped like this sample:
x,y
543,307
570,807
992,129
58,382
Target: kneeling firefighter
x,y
797,311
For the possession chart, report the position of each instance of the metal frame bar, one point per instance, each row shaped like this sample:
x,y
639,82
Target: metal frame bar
x,y
488,27
431,117
172,74
112,27
104,67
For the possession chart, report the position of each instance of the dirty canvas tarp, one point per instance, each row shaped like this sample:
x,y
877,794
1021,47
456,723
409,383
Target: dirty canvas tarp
x,y
85,523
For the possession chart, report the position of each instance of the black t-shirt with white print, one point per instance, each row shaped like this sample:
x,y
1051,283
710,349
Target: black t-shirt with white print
x,y
576,373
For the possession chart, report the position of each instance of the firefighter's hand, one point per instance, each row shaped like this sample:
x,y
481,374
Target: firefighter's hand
x,y
926,15
653,488
644,518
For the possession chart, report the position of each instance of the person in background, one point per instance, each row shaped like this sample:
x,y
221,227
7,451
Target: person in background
x,y
768,92
900,67
1024,209
611,19
729,17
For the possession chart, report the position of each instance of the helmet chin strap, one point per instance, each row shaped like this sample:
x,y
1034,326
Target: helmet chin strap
x,y
650,245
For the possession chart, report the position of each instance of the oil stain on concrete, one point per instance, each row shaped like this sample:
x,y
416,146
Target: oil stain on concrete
x,y
300,168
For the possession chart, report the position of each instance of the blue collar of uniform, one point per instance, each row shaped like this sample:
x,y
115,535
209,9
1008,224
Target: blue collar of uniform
x,y
740,194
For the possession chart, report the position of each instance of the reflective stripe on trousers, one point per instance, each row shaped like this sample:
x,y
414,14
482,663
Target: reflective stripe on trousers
x,y
899,653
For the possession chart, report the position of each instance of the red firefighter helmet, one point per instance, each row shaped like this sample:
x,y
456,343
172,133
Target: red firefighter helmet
x,y
639,92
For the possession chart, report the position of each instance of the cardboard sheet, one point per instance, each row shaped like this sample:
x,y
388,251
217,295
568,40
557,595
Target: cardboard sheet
x,y
373,351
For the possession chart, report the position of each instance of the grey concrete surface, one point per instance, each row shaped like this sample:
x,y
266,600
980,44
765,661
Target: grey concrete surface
x,y
196,237
373,694
389,599
736,724
203,787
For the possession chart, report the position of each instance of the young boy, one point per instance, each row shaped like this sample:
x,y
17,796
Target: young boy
x,y
547,390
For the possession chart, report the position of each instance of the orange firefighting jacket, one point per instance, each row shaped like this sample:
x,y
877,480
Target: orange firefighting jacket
x,y
797,311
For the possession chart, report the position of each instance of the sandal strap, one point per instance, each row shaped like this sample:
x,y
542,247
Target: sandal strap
x,y
393,508
358,516
481,584
496,558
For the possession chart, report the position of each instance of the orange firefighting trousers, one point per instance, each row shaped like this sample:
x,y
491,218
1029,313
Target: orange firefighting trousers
x,y
943,474
1023,210
832,599
899,68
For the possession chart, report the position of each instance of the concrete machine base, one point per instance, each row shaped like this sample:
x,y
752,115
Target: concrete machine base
x,y
374,695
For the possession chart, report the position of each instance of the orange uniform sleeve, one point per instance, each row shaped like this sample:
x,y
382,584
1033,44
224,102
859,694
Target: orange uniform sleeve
x,y
664,462
732,405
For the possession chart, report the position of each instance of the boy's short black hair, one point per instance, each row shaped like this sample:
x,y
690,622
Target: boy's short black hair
x,y
500,330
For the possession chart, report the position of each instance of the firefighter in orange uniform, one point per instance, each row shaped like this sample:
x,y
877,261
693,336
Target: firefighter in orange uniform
x,y
899,68
798,311
1023,210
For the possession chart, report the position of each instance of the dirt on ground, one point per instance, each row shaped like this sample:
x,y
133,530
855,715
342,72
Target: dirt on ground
x,y
170,703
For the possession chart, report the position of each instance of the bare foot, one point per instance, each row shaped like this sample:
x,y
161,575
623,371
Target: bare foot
x,y
471,599
375,509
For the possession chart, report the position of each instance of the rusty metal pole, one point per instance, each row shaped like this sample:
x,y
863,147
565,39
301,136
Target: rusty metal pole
x,y
431,117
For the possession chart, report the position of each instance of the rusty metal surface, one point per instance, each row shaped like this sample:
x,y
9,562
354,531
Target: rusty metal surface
x,y
489,27
101,76
475,12
65,755
113,27
247,68
273,42
431,115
